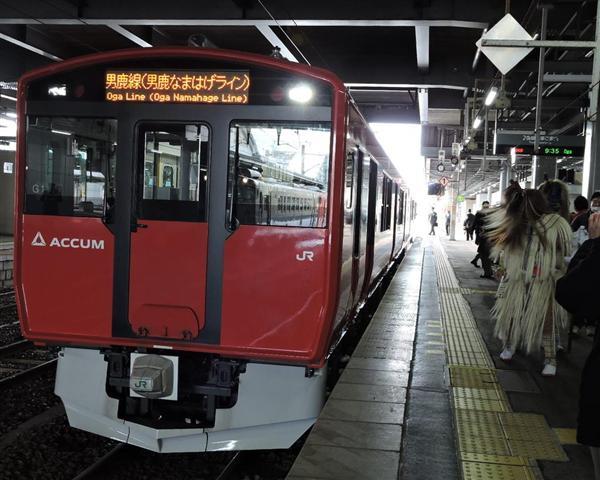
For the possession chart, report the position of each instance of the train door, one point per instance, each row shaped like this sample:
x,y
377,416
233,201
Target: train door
x,y
371,224
169,231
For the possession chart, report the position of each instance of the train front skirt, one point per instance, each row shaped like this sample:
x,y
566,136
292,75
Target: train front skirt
x,y
276,405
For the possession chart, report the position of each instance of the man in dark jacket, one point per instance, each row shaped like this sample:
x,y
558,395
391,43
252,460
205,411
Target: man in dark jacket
x,y
469,225
577,292
483,245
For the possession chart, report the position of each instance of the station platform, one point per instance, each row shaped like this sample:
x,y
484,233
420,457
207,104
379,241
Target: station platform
x,y
425,395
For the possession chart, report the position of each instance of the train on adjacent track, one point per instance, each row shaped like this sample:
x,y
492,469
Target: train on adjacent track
x,y
197,229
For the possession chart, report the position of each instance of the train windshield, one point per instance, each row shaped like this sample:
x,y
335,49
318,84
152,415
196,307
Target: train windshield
x,y
279,173
70,165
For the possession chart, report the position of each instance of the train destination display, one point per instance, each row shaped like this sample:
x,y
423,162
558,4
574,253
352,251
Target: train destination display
x,y
227,87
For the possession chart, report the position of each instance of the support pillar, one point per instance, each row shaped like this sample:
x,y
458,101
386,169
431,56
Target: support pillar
x,y
541,168
591,157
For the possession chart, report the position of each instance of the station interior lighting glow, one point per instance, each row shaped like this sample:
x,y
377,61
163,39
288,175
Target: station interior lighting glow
x,y
476,122
300,93
402,143
8,97
491,96
61,132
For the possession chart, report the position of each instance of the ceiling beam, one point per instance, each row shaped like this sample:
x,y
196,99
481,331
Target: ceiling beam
x,y
422,43
567,78
130,35
274,40
246,22
27,46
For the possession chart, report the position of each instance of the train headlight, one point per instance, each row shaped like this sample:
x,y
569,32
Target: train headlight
x,y
300,93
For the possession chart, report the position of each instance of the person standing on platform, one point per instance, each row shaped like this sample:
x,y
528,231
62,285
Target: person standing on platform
x,y
532,242
576,292
448,218
433,221
582,206
469,225
478,229
582,220
557,196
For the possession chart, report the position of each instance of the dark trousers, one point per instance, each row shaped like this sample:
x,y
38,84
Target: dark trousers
x,y
432,232
484,253
447,229
469,234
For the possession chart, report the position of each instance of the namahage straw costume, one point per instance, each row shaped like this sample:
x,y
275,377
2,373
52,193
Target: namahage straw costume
x,y
525,300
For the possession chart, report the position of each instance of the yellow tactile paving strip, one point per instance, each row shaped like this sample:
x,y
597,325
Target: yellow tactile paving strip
x,y
494,442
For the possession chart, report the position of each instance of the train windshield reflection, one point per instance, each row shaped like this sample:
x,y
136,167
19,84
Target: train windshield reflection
x,y
281,173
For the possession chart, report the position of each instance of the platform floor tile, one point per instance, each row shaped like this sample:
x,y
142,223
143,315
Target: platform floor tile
x,y
342,463
375,377
369,393
379,364
494,471
357,411
373,436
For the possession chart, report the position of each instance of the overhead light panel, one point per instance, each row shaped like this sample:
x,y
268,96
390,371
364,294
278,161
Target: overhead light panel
x,y
8,97
477,122
61,132
423,105
491,96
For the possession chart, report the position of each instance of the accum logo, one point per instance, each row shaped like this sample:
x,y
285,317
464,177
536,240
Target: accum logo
x,y
67,242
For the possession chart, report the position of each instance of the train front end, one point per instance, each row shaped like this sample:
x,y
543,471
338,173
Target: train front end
x,y
174,238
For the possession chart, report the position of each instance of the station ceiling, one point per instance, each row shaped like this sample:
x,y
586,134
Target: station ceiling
x,y
395,56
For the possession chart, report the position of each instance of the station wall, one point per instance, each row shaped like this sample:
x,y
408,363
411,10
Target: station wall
x,y
7,189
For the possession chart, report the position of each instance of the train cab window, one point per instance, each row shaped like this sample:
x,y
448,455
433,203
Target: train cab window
x,y
71,165
349,183
284,160
172,171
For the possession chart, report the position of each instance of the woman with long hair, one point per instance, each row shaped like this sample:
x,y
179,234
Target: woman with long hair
x,y
532,243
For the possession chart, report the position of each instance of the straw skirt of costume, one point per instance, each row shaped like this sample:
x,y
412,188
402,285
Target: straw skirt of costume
x,y
526,294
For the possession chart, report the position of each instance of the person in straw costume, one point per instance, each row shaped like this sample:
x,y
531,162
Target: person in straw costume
x,y
532,243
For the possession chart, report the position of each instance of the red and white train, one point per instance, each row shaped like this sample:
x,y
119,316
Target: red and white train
x,y
195,229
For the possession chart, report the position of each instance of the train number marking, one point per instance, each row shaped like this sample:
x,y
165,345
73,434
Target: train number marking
x,y
306,255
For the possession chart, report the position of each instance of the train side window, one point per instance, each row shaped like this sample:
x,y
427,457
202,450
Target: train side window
x,y
349,191
284,160
71,165
386,204
172,171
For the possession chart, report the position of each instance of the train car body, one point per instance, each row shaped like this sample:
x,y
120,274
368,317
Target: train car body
x,y
196,228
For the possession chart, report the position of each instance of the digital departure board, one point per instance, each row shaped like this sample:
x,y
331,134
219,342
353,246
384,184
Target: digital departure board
x,y
159,86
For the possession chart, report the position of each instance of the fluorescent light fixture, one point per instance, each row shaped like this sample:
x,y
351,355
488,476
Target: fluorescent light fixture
x,y
300,93
491,96
61,132
10,114
423,99
57,90
476,122
8,97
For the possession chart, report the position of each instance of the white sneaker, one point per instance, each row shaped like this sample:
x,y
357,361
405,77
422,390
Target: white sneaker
x,y
506,354
549,369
